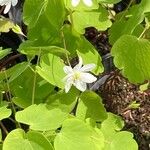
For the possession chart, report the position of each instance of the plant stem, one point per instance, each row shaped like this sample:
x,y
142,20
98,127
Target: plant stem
x,y
10,98
3,128
145,29
64,43
126,9
35,77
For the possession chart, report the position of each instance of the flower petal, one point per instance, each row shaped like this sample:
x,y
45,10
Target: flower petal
x,y
14,2
67,69
68,78
75,3
4,2
88,3
7,8
88,67
80,85
68,86
79,65
87,78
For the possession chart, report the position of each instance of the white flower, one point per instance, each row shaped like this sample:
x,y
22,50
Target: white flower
x,y
75,3
8,4
78,76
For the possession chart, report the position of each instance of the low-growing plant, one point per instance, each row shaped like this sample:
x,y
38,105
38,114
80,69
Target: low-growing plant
x,y
49,101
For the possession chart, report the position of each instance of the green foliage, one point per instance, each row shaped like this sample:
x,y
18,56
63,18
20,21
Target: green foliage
x,y
20,68
4,53
22,89
109,1
90,55
75,134
40,117
5,24
96,18
4,111
18,139
90,106
128,21
116,140
64,101
51,69
27,48
144,87
35,92
132,55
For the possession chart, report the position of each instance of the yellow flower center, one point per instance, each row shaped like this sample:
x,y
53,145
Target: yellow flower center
x,y
76,76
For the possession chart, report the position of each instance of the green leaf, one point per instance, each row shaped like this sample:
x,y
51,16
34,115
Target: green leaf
x,y
33,11
134,105
121,140
71,39
132,55
96,18
125,25
19,69
144,87
77,135
26,48
17,30
111,125
47,14
64,101
4,111
4,52
40,117
5,24
90,55
109,1
52,70
115,139
90,106
22,89
53,14
1,146
43,35
32,140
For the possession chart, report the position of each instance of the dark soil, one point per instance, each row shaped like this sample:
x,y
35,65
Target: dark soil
x,y
118,93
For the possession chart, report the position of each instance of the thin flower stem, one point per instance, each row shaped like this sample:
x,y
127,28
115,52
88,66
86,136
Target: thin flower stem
x,y
35,77
71,18
145,29
126,9
10,98
64,43
3,128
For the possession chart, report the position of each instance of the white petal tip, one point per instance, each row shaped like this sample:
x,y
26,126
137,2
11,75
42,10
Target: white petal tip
x,y
88,3
75,3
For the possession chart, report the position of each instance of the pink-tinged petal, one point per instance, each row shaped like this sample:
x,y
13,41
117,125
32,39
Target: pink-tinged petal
x,y
14,2
88,67
68,86
67,69
88,3
75,3
87,78
80,85
7,8
79,65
